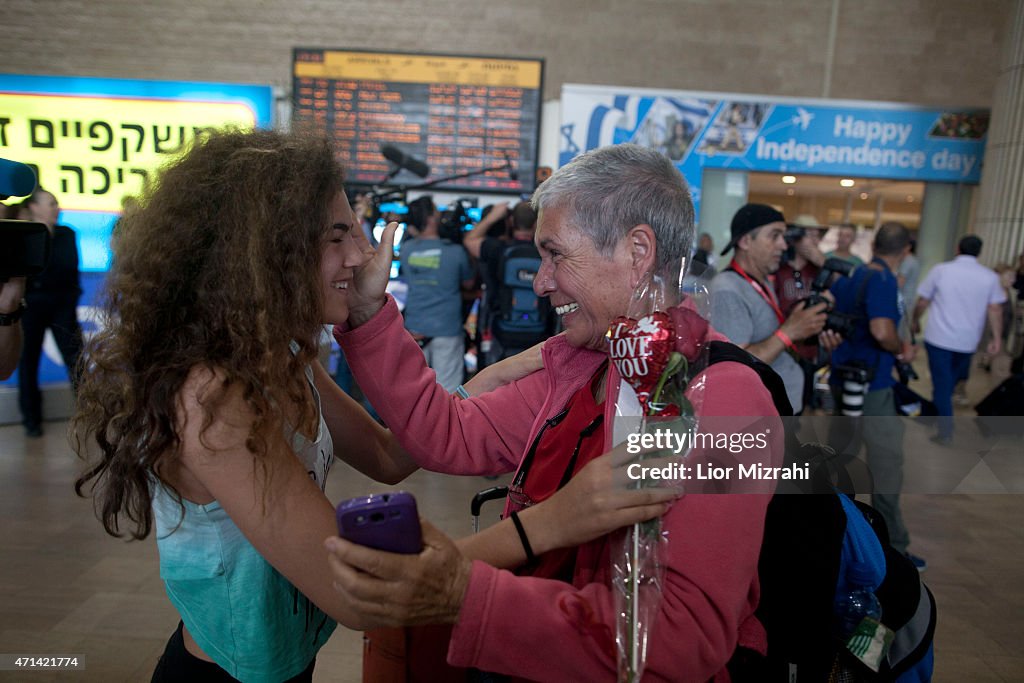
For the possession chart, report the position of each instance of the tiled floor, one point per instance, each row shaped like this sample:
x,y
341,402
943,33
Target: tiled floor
x,y
67,588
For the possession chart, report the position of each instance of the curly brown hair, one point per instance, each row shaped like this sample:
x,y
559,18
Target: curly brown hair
x,y
217,268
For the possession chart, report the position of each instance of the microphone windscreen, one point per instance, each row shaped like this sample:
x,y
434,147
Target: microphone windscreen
x,y
417,167
393,154
16,179
403,160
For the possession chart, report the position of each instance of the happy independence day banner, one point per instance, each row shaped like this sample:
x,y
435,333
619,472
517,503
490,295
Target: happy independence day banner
x,y
822,137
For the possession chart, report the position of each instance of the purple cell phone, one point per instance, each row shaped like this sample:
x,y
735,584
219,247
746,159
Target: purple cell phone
x,y
385,521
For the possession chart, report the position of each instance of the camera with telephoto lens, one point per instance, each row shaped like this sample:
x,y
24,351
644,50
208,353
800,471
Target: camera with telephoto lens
x,y
840,323
854,383
24,245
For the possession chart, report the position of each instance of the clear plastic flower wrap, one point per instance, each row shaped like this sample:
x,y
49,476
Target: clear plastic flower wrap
x,y
654,349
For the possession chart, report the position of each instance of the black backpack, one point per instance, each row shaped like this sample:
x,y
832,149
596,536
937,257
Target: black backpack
x,y
801,558
1006,400
521,318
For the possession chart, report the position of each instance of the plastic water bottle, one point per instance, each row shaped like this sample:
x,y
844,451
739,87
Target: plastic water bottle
x,y
860,602
859,615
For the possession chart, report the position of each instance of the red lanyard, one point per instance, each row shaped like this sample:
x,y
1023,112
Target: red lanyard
x,y
759,289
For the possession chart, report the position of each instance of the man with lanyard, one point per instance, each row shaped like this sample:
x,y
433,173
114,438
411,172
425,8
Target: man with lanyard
x,y
872,294
744,306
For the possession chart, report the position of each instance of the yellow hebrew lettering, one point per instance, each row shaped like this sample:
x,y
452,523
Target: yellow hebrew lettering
x,y
93,151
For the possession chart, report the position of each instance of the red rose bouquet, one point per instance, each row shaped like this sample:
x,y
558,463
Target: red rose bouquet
x,y
653,348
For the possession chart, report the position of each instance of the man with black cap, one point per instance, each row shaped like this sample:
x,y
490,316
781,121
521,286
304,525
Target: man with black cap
x,y
744,306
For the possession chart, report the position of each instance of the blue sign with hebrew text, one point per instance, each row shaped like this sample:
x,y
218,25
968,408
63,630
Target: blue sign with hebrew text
x,y
821,137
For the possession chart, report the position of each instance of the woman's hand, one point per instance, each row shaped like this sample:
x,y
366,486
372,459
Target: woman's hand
x,y
366,292
389,589
600,499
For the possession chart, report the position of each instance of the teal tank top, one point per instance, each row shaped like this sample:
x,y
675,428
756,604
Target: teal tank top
x,y
241,611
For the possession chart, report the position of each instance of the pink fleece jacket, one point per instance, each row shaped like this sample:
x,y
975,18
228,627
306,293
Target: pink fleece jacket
x,y
544,629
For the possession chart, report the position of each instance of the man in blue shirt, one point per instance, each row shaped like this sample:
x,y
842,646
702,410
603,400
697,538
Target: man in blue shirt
x,y
436,270
862,375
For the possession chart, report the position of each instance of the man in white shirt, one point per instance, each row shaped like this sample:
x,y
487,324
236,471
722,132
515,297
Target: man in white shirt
x,y
961,294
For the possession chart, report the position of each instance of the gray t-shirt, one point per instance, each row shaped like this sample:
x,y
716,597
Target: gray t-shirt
x,y
739,312
434,270
910,271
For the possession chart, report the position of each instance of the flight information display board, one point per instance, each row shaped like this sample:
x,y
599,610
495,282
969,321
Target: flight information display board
x,y
460,115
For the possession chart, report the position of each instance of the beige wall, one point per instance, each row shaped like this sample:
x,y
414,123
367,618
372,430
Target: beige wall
x,y
937,52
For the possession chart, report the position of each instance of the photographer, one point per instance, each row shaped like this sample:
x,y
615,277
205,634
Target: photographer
x,y
12,294
745,308
862,375
794,283
801,263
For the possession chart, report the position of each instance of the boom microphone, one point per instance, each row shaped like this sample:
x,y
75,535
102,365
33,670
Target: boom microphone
x,y
16,180
403,160
513,172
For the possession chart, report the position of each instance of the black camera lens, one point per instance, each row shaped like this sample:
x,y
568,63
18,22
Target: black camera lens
x,y
794,233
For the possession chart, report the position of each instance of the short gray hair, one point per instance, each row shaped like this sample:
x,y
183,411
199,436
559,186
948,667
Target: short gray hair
x,y
609,190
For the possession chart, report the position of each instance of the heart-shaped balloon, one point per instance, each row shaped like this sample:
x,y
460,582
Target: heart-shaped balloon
x,y
640,350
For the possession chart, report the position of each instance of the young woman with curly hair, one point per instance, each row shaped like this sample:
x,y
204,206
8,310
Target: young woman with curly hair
x,y
199,395
202,412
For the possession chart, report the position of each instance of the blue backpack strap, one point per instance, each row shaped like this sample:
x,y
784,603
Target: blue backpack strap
x,y
860,544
